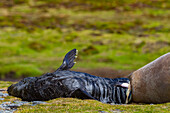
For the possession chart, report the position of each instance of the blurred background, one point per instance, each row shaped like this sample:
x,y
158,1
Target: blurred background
x,y
114,37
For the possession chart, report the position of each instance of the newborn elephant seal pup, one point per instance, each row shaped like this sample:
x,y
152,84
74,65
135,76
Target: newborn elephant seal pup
x,y
65,83
151,83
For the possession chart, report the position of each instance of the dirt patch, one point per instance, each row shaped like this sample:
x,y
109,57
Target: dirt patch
x,y
102,72
106,72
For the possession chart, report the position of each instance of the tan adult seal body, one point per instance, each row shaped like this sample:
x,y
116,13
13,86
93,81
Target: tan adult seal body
x,y
151,83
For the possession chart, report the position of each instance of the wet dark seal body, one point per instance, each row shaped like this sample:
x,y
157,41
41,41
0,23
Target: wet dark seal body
x,y
70,84
65,83
151,83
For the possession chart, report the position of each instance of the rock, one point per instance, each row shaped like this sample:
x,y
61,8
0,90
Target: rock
x,y
1,98
20,103
13,106
2,90
1,94
151,83
5,95
6,111
10,107
37,102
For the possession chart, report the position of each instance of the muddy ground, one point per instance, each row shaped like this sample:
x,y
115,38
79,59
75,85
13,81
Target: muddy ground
x,y
102,72
106,72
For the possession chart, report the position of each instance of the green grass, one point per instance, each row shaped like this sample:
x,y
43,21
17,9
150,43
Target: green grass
x,y
122,35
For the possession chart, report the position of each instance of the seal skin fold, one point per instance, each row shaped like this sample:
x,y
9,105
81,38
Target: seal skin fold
x,y
65,83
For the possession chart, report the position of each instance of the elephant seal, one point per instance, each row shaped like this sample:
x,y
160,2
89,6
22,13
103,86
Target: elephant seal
x,y
151,83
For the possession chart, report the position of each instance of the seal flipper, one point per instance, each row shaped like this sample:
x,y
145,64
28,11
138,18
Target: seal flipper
x,y
68,61
123,89
79,93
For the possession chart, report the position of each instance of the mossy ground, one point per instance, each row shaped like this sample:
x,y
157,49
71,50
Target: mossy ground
x,y
72,105
122,35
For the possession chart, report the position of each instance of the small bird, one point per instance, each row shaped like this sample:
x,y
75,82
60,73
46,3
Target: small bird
x,y
66,83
